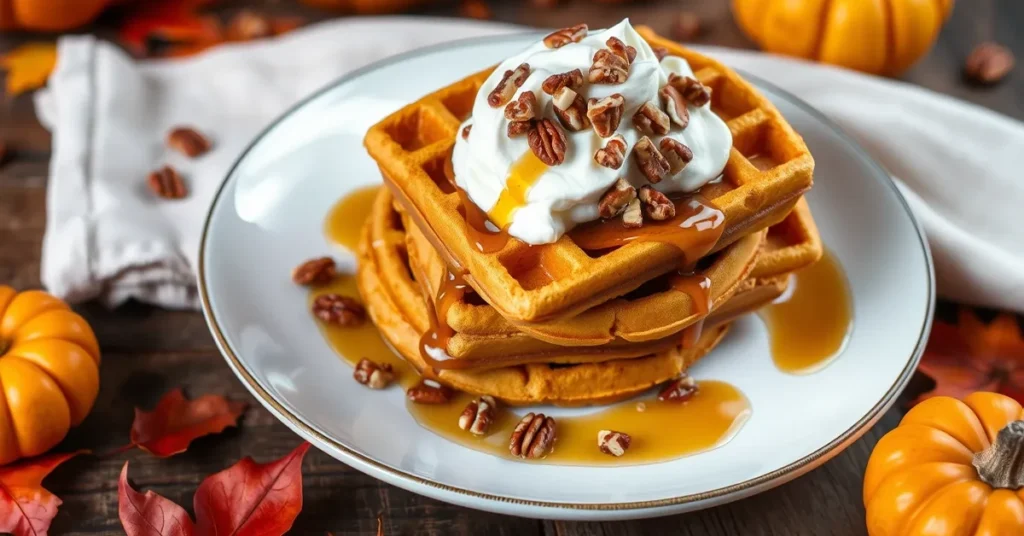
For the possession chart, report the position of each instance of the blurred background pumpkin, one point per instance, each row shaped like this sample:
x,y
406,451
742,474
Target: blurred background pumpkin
x,y
49,15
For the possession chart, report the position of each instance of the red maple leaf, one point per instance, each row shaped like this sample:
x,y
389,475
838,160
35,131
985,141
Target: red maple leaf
x,y
175,23
974,356
26,508
247,499
176,421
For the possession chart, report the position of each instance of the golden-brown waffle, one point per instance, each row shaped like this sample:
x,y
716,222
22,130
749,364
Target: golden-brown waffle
x,y
413,145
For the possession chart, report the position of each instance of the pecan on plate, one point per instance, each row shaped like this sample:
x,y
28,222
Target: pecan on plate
x,y
571,110
340,310
167,183
613,153
605,114
522,109
656,204
518,128
314,271
478,415
616,199
988,63
676,153
691,89
679,390
466,130
612,442
429,392
675,106
608,68
633,217
660,53
572,80
560,38
507,86
649,160
547,141
621,49
373,375
533,436
649,119
187,141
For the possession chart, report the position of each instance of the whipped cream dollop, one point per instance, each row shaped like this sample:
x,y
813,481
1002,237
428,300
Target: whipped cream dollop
x,y
567,194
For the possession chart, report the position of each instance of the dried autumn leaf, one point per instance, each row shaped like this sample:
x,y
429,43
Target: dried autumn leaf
x,y
973,356
176,421
28,66
176,24
26,508
149,514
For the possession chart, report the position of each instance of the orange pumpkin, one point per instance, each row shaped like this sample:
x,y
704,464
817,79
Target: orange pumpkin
x,y
49,372
950,468
48,15
874,36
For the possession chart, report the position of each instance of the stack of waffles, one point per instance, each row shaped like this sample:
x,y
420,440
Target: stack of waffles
x,y
604,312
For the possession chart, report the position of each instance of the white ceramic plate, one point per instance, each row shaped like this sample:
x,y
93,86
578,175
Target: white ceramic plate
x,y
268,216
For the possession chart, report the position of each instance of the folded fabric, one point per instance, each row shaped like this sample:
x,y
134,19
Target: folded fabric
x,y
107,238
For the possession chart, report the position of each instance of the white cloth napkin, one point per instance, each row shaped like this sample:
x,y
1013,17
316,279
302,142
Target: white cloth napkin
x,y
959,164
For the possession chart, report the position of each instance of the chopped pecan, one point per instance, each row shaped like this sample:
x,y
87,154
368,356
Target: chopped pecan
x,y
506,88
633,217
675,106
691,89
340,310
649,119
166,183
676,153
686,26
679,390
621,49
657,206
429,392
615,200
533,436
465,131
522,109
988,63
660,53
518,128
571,110
608,68
478,415
187,141
612,442
605,114
547,141
649,160
560,38
373,375
613,153
572,80
314,271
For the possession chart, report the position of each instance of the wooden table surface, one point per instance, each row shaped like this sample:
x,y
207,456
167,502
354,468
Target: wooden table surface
x,y
148,351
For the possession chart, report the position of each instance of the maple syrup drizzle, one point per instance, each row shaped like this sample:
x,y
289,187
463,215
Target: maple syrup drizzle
x,y
344,221
810,326
487,237
434,341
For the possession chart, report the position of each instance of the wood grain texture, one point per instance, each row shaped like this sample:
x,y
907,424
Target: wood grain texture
x,y
149,351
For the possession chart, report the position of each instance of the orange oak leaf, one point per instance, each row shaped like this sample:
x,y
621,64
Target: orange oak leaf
x,y
28,66
247,499
974,356
175,25
26,508
176,421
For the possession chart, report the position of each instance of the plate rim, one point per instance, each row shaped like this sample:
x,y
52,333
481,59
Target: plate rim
x,y
418,484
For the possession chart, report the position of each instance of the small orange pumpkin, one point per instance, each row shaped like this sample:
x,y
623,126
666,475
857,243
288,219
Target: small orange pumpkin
x,y
48,15
874,36
950,468
49,372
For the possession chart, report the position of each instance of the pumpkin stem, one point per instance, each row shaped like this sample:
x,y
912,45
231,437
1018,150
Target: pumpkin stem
x,y
1001,465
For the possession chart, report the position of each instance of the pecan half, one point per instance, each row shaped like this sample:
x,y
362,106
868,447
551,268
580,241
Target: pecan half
x,y
633,217
616,199
676,153
506,88
373,375
660,53
613,153
612,442
988,63
656,204
340,310
679,390
522,109
621,49
572,80
649,160
478,415
686,26
166,183
547,141
560,38
465,131
247,25
571,110
675,106
608,68
314,271
649,119
187,141
606,114
691,89
518,128
429,392
533,436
